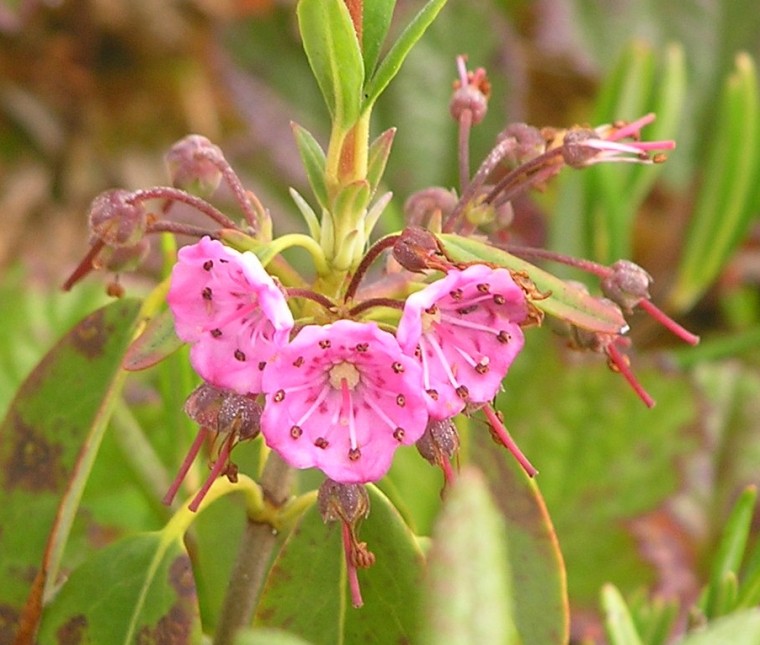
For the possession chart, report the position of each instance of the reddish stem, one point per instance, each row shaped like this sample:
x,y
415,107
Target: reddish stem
x,y
369,257
186,463
177,195
84,267
219,465
503,434
621,363
353,576
667,322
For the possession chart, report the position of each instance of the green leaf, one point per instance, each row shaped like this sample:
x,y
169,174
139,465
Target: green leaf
x,y
50,438
740,628
310,217
267,637
541,611
333,51
728,558
391,64
725,204
139,589
313,158
618,622
157,341
565,302
379,150
376,20
468,588
306,592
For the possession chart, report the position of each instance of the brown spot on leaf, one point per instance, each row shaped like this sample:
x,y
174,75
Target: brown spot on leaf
x,y
91,335
8,623
181,577
33,463
172,629
73,631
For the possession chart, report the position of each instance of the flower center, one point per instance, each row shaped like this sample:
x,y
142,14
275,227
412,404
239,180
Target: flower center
x,y
344,373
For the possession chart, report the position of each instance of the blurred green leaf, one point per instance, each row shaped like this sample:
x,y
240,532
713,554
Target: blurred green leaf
x,y
379,150
740,628
726,200
267,637
539,582
618,622
391,63
566,302
157,341
306,592
721,591
468,591
139,589
333,51
50,438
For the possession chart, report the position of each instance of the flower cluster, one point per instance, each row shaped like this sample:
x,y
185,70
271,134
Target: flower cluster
x,y
342,396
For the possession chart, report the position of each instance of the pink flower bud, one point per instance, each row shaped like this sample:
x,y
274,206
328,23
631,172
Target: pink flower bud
x,y
627,285
194,164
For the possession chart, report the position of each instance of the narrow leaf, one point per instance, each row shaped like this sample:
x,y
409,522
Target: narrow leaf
x,y
379,151
307,212
725,203
468,595
375,24
157,341
617,618
50,437
391,64
333,51
138,590
565,302
313,158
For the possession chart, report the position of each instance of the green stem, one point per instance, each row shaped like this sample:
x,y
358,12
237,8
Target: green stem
x,y
255,554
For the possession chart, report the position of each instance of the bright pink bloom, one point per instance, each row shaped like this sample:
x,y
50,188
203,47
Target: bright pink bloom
x,y
465,331
341,398
228,306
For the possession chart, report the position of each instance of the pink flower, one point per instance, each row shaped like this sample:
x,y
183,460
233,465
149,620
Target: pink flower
x,y
341,398
230,309
465,331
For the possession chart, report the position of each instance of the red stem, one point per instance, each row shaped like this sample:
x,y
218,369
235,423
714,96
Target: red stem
x,y
503,434
185,466
621,364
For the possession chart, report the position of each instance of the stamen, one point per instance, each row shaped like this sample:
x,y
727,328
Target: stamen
x,y
318,401
379,411
347,408
441,359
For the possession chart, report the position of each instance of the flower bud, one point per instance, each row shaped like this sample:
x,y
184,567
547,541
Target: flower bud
x,y
529,143
194,164
440,441
418,250
116,220
627,285
472,96
429,205
574,152
346,502
121,258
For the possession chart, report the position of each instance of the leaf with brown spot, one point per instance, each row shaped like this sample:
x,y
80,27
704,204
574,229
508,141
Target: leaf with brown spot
x,y
48,441
138,590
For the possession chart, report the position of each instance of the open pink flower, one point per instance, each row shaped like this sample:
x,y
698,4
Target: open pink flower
x,y
465,331
228,306
341,398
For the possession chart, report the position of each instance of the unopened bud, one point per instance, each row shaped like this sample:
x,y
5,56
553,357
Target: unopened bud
x,y
116,220
121,258
574,152
440,440
429,205
194,164
346,502
418,250
627,285
528,142
472,95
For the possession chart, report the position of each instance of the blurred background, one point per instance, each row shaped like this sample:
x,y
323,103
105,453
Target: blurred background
x,y
93,92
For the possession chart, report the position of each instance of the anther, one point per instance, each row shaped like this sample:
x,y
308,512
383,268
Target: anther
x,y
279,395
354,454
398,434
401,400
206,293
296,432
325,344
397,367
216,333
321,442
208,264
239,355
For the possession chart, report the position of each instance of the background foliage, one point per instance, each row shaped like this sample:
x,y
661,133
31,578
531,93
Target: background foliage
x,y
93,92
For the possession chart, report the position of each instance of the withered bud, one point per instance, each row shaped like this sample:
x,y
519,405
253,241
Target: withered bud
x,y
121,258
528,142
116,220
418,250
194,164
346,502
574,153
627,285
224,411
439,441
429,205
